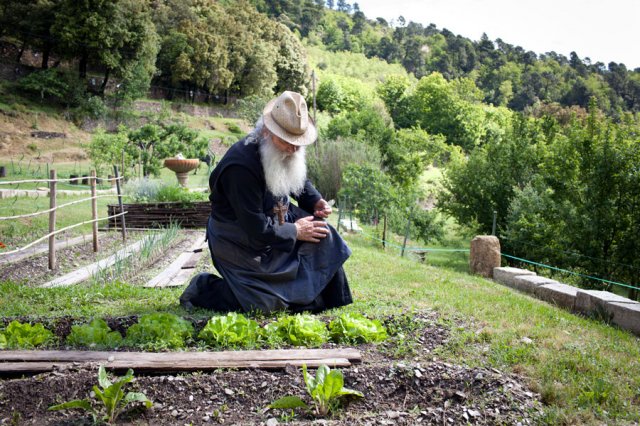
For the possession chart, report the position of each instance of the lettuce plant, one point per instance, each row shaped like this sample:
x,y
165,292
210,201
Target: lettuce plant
x,y
232,330
25,336
355,328
298,330
111,395
159,331
326,390
96,334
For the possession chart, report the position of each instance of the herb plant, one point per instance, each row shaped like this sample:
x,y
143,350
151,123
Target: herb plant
x,y
96,334
298,330
326,390
25,336
232,330
114,400
355,328
159,331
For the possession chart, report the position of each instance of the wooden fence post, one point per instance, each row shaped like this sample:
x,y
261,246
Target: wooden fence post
x,y
52,219
122,221
94,211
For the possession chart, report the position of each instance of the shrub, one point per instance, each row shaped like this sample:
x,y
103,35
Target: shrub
x,y
143,190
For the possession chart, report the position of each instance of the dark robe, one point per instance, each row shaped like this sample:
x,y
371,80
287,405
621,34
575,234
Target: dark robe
x,y
263,266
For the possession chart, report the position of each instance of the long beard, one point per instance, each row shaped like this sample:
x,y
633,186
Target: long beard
x,y
285,173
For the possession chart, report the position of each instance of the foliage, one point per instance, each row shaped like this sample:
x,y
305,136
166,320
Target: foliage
x,y
112,396
25,336
355,328
250,108
54,84
107,149
96,334
231,331
159,331
331,157
326,390
143,190
297,330
367,190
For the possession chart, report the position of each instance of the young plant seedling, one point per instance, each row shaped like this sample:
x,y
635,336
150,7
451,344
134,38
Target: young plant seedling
x,y
326,390
114,400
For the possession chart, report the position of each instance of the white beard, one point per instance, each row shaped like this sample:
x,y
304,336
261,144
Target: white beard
x,y
285,173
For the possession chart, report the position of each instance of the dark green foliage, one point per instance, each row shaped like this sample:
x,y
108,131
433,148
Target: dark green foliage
x,y
159,331
178,194
231,331
353,328
96,334
19,335
55,85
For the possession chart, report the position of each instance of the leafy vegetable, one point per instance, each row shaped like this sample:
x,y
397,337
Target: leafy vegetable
x,y
326,390
96,334
298,330
232,330
159,331
113,398
25,336
355,328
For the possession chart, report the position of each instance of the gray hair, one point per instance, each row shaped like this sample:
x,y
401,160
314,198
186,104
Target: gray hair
x,y
257,133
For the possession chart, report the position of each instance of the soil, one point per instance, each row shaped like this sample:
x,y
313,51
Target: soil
x,y
403,383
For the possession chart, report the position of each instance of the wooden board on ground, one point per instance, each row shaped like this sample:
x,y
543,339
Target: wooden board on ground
x,y
43,248
180,270
12,362
86,272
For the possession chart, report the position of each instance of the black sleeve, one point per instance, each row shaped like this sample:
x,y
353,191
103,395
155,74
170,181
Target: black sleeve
x,y
245,194
308,197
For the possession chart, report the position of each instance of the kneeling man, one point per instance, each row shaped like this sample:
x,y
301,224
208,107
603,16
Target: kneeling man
x,y
272,254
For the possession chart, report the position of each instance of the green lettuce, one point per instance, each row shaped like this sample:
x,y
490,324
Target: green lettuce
x,y
159,331
25,336
355,328
96,334
232,330
298,330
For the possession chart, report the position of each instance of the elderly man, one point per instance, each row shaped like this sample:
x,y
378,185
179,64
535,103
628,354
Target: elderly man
x,y
272,254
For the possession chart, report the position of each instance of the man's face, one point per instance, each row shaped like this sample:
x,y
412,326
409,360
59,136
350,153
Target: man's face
x,y
283,146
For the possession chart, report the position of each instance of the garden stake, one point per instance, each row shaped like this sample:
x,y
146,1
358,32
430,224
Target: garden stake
x,y
117,178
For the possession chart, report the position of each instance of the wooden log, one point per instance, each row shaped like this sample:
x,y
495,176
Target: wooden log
x,y
180,357
158,215
12,368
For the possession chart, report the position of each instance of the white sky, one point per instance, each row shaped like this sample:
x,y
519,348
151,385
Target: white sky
x,y
603,30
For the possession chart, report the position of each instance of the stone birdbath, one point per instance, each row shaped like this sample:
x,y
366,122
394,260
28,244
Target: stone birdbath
x,y
181,167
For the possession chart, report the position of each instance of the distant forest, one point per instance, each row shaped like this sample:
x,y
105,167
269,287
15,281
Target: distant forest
x,y
244,48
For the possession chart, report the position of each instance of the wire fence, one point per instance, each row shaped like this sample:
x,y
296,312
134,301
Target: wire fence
x,y
52,192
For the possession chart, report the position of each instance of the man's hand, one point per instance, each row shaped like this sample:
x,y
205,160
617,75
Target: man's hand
x,y
322,209
311,230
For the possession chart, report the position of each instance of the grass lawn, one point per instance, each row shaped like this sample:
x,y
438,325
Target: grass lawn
x,y
585,370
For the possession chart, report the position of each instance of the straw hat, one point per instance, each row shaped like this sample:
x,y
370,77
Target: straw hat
x,y
287,117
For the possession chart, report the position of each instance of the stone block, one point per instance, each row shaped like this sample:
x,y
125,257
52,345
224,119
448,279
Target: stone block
x,y
589,301
558,294
529,283
505,275
625,315
484,255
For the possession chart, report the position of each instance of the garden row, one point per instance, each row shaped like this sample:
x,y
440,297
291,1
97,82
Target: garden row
x,y
162,331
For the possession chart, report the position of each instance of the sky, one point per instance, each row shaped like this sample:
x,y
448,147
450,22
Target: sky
x,y
603,30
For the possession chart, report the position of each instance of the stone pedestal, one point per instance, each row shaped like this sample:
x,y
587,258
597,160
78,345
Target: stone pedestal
x,y
484,255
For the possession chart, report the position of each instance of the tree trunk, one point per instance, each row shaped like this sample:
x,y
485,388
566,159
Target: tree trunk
x,y
82,66
104,82
45,58
24,45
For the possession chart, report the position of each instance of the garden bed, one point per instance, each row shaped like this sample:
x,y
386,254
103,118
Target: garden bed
x,y
161,215
403,382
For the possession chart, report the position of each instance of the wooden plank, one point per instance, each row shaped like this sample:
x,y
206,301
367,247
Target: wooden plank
x,y
167,366
86,272
164,277
176,274
180,357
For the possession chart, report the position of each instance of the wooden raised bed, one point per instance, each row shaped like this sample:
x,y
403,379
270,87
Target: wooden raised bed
x,y
157,215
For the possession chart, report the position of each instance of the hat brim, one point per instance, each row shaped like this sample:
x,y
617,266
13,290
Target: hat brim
x,y
307,138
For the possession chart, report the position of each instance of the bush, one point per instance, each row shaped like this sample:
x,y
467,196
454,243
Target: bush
x,y
326,168
56,84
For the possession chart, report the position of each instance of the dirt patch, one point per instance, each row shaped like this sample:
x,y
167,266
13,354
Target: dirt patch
x,y
418,389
